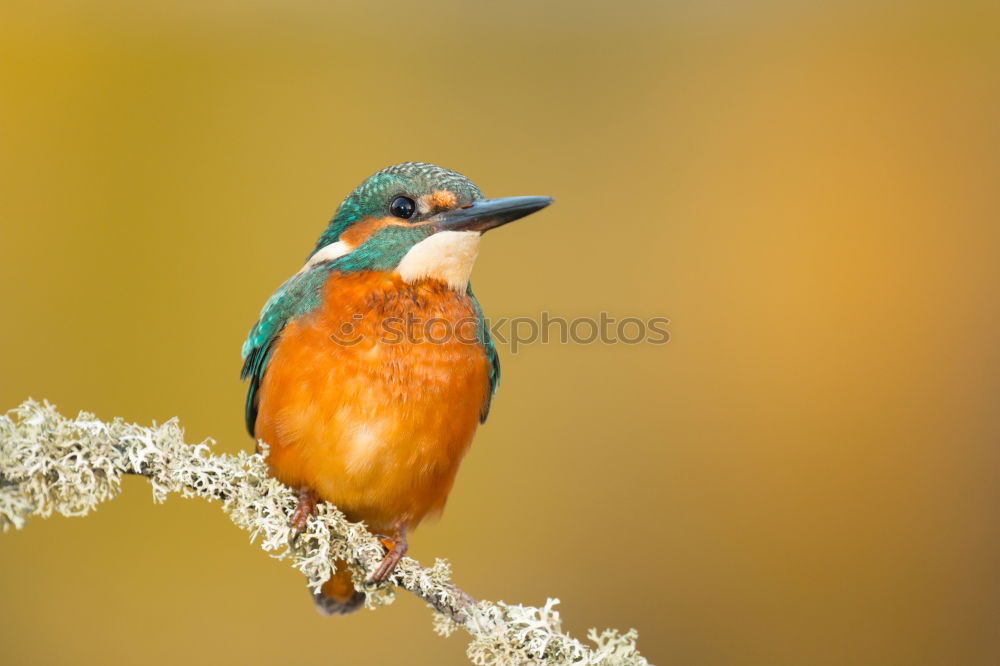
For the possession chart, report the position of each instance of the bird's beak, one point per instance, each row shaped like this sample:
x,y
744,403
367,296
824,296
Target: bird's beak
x,y
486,214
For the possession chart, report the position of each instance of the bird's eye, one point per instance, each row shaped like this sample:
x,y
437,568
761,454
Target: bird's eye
x,y
402,207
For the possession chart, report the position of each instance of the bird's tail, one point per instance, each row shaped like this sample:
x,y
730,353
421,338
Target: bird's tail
x,y
338,596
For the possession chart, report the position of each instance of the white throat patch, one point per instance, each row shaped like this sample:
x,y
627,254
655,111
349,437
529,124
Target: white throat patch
x,y
447,256
327,253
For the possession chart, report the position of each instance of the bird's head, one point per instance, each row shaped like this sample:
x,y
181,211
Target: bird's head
x,y
419,220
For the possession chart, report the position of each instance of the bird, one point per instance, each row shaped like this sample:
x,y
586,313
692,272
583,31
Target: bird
x,y
371,368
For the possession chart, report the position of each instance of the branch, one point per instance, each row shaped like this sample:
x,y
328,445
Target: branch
x,y
51,464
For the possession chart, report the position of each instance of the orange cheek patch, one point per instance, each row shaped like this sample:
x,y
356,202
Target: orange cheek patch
x,y
443,199
361,231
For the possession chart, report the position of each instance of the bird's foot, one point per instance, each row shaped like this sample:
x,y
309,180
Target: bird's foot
x,y
307,504
396,547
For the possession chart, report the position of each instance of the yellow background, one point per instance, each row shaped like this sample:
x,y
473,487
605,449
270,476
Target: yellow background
x,y
806,474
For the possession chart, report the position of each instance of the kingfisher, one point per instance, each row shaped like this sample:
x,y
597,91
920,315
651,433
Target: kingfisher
x,y
371,367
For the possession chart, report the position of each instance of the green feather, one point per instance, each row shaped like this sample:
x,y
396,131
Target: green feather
x,y
371,197
299,295
483,333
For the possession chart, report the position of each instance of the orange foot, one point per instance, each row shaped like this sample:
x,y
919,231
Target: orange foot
x,y
396,547
307,504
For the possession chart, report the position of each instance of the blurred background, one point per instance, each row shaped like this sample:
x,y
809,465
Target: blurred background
x,y
806,474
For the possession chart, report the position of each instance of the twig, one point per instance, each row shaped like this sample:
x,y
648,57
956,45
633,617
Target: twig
x,y
51,464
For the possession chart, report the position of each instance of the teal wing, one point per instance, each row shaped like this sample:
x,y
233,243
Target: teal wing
x,y
297,296
483,332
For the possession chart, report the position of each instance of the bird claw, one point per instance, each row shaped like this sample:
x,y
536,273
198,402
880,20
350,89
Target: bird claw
x,y
396,547
300,517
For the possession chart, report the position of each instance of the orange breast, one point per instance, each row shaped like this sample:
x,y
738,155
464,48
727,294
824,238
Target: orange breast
x,y
360,405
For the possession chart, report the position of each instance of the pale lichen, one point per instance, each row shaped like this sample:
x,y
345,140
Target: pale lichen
x,y
51,464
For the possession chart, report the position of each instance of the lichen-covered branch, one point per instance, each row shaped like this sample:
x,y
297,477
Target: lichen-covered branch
x,y
51,464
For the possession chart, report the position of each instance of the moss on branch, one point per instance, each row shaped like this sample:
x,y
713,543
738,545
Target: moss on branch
x,y
52,464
